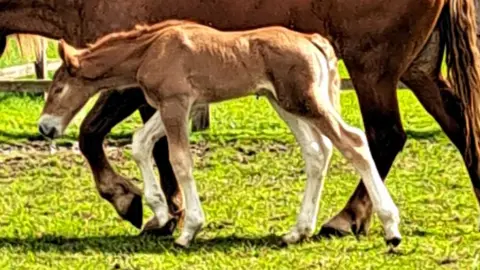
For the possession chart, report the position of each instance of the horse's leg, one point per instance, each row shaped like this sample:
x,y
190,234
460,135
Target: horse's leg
x,y
175,114
386,137
317,152
3,43
433,92
168,182
143,142
352,143
111,108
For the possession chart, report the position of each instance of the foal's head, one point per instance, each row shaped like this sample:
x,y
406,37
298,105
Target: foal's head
x,y
111,62
82,74
67,94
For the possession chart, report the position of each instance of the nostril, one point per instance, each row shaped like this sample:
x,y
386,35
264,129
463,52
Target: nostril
x,y
46,131
41,129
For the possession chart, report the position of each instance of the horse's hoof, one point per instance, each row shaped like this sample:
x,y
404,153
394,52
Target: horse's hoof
x,y
394,242
342,225
153,228
134,212
328,232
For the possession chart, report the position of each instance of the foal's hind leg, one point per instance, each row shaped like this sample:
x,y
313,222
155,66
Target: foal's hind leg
x,y
143,142
317,152
352,143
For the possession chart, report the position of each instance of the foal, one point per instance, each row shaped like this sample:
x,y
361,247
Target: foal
x,y
180,65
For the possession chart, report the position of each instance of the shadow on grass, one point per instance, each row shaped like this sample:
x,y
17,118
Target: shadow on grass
x,y
133,244
21,137
125,138
423,134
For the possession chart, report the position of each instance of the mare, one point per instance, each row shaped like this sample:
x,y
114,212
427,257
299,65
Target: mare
x,y
180,65
366,34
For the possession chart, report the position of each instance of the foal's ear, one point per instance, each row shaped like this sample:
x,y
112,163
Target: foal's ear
x,y
68,54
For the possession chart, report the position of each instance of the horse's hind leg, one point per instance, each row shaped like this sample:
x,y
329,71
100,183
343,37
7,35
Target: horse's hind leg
x,y
433,92
316,151
352,143
175,113
143,142
383,126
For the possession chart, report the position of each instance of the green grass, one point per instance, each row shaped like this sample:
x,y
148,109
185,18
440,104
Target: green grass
x,y
250,178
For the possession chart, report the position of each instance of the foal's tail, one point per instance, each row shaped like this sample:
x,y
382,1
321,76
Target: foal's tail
x,y
324,46
458,29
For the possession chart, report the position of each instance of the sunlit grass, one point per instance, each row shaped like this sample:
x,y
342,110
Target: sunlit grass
x,y
250,177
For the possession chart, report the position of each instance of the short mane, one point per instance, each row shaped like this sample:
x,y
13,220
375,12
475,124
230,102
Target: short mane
x,y
139,30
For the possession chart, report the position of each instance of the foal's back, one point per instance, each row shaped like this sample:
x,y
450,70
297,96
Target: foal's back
x,y
215,65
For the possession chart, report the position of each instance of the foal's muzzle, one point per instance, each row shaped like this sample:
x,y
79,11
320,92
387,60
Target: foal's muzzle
x,y
50,126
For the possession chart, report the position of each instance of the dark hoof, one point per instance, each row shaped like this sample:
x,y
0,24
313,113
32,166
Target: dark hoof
x,y
134,213
394,242
152,228
126,198
329,232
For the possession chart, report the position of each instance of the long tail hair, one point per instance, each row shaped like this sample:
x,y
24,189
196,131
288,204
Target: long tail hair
x,y
458,29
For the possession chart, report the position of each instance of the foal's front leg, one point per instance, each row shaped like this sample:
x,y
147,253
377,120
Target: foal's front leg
x,y
317,152
143,142
174,113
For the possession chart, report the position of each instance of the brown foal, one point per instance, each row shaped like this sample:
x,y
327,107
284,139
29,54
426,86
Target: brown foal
x,y
180,65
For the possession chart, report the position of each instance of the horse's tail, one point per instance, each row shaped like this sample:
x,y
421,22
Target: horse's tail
x,y
324,46
30,45
458,29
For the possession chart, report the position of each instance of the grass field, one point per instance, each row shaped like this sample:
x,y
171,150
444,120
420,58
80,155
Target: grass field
x,y
250,177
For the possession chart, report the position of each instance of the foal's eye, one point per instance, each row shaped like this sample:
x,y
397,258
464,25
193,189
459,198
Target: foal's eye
x,y
58,90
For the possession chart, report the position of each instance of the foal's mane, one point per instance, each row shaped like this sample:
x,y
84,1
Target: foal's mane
x,y
115,48
140,30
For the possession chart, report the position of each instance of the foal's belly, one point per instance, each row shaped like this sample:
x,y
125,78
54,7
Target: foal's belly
x,y
224,83
259,88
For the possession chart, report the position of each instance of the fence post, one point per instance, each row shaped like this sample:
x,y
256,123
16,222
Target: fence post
x,y
201,118
41,70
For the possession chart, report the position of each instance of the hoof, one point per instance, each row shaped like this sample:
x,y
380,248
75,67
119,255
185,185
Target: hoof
x,y
394,242
152,228
187,237
296,236
291,238
342,225
182,242
329,232
134,212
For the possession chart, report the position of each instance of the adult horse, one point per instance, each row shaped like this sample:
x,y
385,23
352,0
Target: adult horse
x,y
366,34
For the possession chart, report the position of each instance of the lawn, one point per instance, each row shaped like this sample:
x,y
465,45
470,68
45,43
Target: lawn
x,y
250,177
